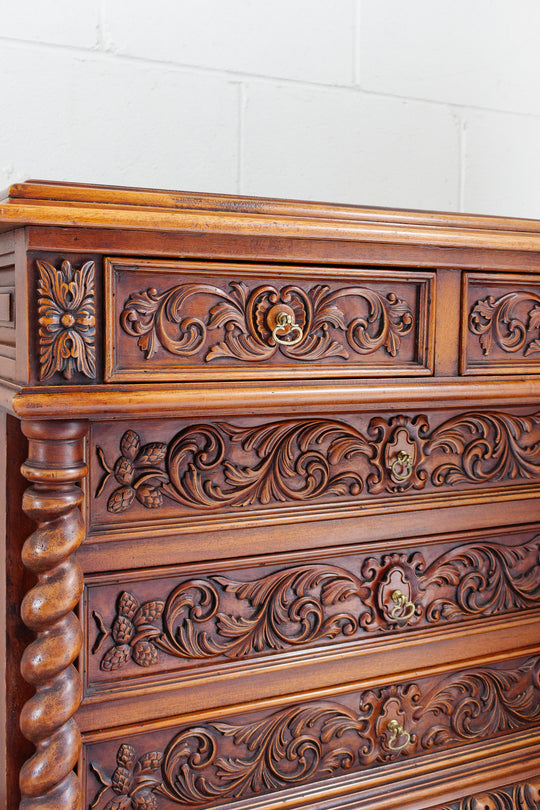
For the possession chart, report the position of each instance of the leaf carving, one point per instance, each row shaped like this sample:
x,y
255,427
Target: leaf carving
x,y
223,465
294,607
67,320
522,796
287,609
240,314
496,322
265,751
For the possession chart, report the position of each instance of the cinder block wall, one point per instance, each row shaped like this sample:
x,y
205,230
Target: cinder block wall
x,y
415,103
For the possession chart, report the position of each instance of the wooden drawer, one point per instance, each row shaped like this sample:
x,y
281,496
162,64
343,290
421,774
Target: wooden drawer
x,y
179,623
501,323
195,321
183,471
274,747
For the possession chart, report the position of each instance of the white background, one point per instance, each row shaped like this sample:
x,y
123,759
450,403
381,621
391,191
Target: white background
x,y
412,103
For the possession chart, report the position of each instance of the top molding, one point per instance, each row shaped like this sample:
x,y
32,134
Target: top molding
x,y
74,205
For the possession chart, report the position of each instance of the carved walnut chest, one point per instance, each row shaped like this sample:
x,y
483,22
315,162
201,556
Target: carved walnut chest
x,y
273,469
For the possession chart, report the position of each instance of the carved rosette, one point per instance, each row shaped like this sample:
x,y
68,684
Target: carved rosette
x,y
212,466
510,322
67,320
214,762
315,323
54,467
212,616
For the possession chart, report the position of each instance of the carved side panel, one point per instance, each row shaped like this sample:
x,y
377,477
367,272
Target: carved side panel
x,y
247,755
181,468
187,622
522,796
54,467
501,324
11,345
198,321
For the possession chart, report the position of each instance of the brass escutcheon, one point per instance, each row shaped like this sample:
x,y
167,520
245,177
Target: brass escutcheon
x,y
285,324
403,609
404,463
397,733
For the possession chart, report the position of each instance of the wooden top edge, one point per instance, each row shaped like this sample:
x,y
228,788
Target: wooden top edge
x,y
58,195
13,215
106,402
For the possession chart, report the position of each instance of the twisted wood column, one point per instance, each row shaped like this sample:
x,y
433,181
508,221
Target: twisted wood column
x,y
54,467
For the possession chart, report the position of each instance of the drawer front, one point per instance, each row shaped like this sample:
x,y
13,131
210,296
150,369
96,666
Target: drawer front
x,y
501,322
194,321
146,472
240,756
213,617
521,796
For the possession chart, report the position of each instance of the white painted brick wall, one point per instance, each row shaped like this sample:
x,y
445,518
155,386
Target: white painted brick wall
x,y
414,103
347,146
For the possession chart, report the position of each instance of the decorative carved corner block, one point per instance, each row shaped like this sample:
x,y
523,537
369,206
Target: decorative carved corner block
x,y
67,320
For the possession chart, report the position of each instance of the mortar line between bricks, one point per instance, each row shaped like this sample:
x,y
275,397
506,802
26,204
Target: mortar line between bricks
x,y
229,75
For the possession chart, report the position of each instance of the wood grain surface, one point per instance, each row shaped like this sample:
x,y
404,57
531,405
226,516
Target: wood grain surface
x,y
280,531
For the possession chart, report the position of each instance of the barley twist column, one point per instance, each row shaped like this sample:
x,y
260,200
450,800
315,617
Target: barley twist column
x,y
54,467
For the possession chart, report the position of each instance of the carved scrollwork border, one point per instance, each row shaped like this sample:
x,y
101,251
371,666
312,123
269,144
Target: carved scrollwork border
x,y
520,796
252,755
243,317
207,617
214,466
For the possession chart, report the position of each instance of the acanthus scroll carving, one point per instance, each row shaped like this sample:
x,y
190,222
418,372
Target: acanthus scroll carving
x,y
214,762
192,469
211,466
67,320
523,796
246,319
507,323
211,616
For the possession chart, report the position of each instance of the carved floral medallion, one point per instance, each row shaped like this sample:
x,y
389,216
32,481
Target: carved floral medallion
x,y
252,755
67,320
210,466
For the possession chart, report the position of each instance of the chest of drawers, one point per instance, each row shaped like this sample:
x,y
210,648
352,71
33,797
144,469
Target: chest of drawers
x,y
278,504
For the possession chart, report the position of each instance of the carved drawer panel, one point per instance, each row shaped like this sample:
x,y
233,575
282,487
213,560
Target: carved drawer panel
x,y
501,323
521,796
211,760
188,320
204,617
179,469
